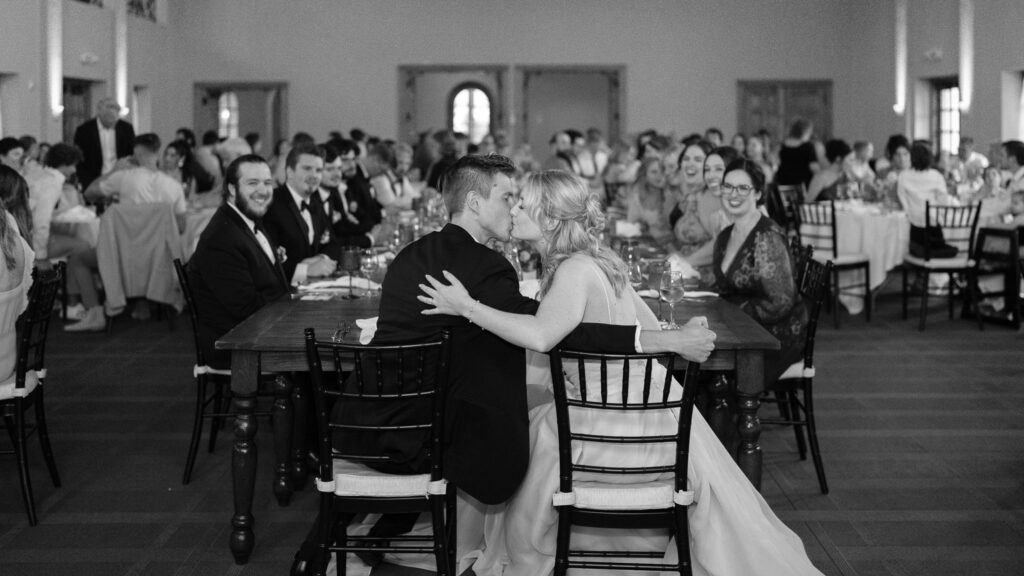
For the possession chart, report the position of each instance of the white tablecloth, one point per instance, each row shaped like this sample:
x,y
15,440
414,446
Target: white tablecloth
x,y
885,238
195,223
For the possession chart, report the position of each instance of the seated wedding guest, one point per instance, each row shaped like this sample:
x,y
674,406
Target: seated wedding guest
x,y
426,152
623,168
235,269
739,141
830,182
994,199
714,137
187,136
362,205
967,165
333,198
697,218
140,180
673,173
752,266
858,164
254,141
179,165
294,224
1013,162
232,148
733,532
208,172
915,187
14,198
15,280
391,191
31,159
46,199
798,157
756,152
645,201
404,169
448,154
1016,215
714,167
562,157
12,152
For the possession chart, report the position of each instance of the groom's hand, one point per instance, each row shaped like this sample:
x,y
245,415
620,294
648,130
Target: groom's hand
x,y
693,340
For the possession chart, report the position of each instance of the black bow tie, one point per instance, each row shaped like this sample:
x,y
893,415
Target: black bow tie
x,y
305,206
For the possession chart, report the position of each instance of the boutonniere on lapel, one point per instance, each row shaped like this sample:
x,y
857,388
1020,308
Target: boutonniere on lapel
x,y
353,206
325,238
282,255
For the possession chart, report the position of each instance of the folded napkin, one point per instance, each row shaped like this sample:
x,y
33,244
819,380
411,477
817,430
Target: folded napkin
x,y
75,214
341,284
367,328
679,264
627,229
648,293
529,288
700,294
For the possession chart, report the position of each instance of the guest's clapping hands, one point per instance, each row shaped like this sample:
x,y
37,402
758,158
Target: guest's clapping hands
x,y
450,299
695,341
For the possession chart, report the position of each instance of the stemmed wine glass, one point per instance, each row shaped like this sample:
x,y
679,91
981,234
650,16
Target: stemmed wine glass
x,y
350,262
672,290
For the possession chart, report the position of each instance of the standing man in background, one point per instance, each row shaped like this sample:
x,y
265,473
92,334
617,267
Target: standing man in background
x,y
103,140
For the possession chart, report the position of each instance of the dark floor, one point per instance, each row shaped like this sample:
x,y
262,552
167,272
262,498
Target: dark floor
x,y
923,437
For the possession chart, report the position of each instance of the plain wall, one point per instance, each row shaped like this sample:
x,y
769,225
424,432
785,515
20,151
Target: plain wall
x,y
22,84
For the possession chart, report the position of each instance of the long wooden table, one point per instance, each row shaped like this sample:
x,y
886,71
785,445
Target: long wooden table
x,y
271,340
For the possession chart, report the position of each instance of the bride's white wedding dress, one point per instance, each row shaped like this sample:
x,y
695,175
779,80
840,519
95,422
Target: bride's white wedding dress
x,y
733,532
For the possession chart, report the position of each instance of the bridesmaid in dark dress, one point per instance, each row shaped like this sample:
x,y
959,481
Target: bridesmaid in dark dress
x,y
752,266
798,158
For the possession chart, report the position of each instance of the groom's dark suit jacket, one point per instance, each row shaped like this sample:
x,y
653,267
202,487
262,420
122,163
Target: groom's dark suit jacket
x,y
486,424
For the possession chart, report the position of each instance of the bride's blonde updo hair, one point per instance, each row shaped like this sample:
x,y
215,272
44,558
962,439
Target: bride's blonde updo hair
x,y
571,220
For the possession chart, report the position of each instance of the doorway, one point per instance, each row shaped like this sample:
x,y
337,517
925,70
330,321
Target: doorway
x,y
773,105
77,106
427,94
559,97
236,109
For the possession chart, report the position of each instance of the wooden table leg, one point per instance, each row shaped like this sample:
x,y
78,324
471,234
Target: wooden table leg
x,y
244,375
749,384
283,415
720,415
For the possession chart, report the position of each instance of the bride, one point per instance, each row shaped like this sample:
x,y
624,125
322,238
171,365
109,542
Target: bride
x,y
733,531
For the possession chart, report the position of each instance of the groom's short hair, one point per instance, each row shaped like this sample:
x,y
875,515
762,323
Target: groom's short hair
x,y
473,172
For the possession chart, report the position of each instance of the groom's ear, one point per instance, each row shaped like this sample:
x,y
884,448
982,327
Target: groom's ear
x,y
472,202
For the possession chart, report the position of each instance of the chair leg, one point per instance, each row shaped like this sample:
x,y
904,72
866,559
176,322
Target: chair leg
x,y
44,436
562,543
16,428
781,401
798,430
949,298
197,428
218,408
437,520
682,533
868,304
924,301
835,297
451,519
904,268
812,435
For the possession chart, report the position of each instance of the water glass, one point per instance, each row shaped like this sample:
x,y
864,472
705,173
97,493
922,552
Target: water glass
x,y
672,290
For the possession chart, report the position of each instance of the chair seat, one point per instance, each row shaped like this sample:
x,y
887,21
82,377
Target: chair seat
x,y
939,263
358,480
842,259
604,496
8,390
797,370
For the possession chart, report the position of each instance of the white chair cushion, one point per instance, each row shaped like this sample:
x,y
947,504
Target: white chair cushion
x,y
797,370
604,496
355,479
939,263
8,389
842,259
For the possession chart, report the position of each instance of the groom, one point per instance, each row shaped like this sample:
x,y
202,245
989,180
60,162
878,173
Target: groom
x,y
486,423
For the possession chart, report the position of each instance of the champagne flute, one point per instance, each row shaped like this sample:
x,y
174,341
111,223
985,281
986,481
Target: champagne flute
x,y
672,290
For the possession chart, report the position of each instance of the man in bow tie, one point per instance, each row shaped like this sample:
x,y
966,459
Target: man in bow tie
x,y
235,269
295,220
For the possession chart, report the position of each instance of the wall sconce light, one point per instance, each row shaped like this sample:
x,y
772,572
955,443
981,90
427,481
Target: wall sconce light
x,y
900,106
54,57
966,54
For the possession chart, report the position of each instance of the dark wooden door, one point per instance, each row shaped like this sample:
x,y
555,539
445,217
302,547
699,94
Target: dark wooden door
x,y
773,105
77,106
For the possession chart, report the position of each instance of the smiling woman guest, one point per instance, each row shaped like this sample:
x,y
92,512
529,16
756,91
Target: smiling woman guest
x,y
698,218
752,267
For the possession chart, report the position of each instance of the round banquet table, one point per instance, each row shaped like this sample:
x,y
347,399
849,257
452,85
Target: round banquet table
x,y
883,235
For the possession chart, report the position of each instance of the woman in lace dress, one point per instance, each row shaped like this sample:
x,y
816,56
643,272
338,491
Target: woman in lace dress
x,y
733,531
752,266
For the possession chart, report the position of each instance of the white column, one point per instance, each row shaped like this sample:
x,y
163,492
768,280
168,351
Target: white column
x,y
966,54
54,59
121,54
900,105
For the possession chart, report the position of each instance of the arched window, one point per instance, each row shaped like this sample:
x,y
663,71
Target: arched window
x,y
227,115
470,107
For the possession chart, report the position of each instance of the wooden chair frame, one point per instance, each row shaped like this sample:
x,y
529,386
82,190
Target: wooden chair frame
x,y
825,240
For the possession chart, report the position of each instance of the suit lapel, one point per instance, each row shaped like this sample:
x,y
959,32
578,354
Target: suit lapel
x,y
254,243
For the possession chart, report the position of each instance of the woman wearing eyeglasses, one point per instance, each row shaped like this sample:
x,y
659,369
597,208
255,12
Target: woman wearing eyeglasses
x,y
752,267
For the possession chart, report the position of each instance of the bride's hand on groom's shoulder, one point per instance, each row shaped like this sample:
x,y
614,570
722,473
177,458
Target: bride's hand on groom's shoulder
x,y
696,342
451,298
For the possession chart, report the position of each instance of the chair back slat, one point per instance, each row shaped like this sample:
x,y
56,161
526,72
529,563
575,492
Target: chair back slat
x,y
813,288
420,393
818,226
190,304
958,223
580,420
798,254
34,323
